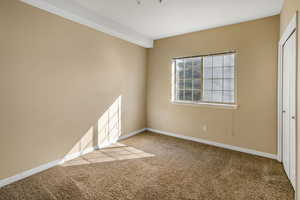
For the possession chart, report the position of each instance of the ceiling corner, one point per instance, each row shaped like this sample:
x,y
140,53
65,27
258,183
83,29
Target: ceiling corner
x,y
95,22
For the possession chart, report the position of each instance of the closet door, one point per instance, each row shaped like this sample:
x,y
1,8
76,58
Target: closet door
x,y
289,108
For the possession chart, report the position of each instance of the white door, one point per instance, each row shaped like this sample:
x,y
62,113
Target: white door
x,y
289,108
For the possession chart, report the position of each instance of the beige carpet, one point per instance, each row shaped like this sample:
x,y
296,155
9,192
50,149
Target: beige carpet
x,y
158,167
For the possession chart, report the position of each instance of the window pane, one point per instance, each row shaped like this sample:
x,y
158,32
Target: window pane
x,y
217,96
228,84
197,72
197,68
229,60
207,61
217,72
217,84
228,97
197,84
188,95
205,78
188,84
180,84
179,69
217,61
207,84
181,74
197,62
228,72
188,62
188,71
207,96
179,95
180,64
207,72
197,95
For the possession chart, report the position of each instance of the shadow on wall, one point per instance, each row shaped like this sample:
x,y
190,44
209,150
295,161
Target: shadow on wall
x,y
106,131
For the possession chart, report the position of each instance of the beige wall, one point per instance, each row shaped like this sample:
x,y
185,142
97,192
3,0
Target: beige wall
x,y
288,11
253,124
57,78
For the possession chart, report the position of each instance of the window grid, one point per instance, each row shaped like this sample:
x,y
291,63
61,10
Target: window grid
x,y
223,78
181,82
182,93
192,80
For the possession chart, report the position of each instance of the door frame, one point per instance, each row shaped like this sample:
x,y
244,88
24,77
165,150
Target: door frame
x,y
291,28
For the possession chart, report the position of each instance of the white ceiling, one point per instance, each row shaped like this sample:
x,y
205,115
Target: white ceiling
x,y
151,20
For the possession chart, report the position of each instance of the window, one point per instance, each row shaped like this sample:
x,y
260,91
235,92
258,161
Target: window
x,y
204,79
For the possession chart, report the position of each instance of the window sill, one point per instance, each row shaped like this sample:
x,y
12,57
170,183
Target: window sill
x,y
208,105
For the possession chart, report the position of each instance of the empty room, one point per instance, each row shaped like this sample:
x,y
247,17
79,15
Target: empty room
x,y
149,100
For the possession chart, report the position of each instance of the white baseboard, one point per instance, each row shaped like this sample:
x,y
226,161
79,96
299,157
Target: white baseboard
x,y
225,146
25,174
22,175
131,134
28,173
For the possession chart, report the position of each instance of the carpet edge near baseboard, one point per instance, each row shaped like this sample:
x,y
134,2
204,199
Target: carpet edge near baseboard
x,y
43,167
216,144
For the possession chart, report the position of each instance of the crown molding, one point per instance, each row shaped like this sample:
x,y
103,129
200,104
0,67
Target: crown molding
x,y
94,21
213,26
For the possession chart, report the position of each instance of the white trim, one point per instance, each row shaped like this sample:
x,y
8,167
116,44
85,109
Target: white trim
x,y
95,21
287,33
297,191
123,137
279,106
173,83
25,174
28,173
289,30
293,26
46,166
225,146
224,105
218,25
209,105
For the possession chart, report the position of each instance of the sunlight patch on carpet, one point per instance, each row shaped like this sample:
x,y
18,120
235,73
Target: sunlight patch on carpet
x,y
114,152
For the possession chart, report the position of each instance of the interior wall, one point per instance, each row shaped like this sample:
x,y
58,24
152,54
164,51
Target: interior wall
x,y
253,124
57,79
290,7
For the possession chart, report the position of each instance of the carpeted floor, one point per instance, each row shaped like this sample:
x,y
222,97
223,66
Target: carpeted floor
x,y
172,169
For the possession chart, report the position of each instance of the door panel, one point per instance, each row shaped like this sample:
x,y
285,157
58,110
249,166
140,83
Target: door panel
x,y
286,109
292,139
289,108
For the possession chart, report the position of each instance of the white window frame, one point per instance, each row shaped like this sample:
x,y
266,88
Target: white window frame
x,y
233,105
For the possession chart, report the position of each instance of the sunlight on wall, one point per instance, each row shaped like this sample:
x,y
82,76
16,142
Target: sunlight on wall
x,y
107,132
105,137
109,125
84,143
